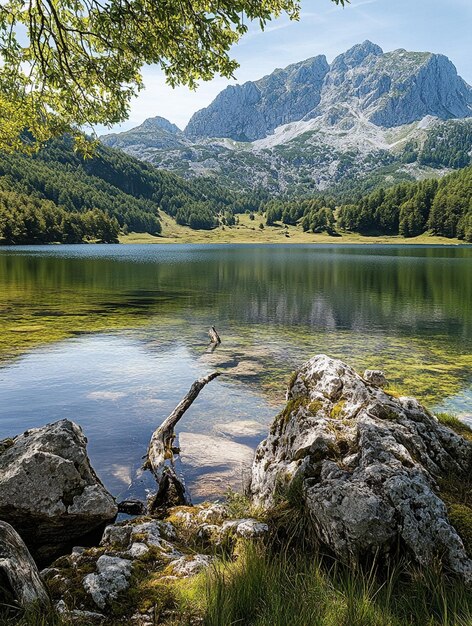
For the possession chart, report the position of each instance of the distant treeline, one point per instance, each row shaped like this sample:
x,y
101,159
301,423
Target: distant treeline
x,y
25,219
128,193
58,196
317,213
442,207
446,146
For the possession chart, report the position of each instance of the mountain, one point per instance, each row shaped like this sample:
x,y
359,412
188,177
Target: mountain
x,y
387,89
156,132
315,126
253,110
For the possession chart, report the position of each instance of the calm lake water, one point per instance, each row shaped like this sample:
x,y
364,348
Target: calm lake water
x,y
113,336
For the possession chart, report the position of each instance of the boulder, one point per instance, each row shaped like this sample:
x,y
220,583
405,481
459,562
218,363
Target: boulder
x,y
134,555
19,575
49,491
374,472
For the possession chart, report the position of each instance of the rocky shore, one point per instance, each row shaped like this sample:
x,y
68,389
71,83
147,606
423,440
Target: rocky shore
x,y
375,477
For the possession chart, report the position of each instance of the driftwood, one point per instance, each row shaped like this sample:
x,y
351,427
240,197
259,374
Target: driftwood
x,y
160,455
19,574
214,336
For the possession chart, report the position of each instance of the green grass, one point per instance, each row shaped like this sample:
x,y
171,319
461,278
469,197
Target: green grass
x,y
11,616
286,579
267,589
248,231
455,424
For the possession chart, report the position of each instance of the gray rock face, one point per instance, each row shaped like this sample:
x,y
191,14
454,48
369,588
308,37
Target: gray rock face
x,y
375,377
394,88
189,566
370,467
18,571
48,489
387,89
251,111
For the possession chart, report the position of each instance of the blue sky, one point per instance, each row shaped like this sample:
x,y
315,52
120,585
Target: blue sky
x,y
443,26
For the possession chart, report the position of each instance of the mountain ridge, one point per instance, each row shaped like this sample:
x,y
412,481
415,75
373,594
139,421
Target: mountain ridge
x,y
391,88
312,124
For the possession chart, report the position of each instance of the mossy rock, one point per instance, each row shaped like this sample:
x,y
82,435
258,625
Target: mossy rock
x,y
460,517
292,406
5,444
315,406
337,410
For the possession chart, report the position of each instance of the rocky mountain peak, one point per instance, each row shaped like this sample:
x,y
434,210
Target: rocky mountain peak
x,y
356,55
253,110
154,132
158,122
300,126
388,89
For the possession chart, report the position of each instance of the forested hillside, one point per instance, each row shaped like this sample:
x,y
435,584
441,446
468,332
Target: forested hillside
x,y
443,207
440,206
29,219
58,196
52,195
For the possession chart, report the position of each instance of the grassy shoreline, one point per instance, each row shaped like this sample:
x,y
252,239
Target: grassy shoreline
x,y
248,232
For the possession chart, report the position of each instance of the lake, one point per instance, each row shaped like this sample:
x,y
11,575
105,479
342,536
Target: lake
x,y
113,336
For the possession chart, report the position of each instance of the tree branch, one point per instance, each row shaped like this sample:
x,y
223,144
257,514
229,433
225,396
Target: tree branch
x,y
160,454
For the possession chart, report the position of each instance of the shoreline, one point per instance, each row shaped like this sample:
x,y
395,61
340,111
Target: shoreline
x,y
321,240
248,232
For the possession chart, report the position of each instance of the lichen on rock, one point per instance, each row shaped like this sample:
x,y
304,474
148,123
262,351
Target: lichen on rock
x,y
49,491
370,466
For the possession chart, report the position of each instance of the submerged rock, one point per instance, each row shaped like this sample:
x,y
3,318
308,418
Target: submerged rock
x,y
372,470
48,489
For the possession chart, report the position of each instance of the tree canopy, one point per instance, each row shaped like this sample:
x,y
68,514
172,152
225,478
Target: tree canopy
x,y
66,64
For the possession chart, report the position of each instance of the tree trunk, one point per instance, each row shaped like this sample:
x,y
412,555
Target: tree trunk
x,y
214,336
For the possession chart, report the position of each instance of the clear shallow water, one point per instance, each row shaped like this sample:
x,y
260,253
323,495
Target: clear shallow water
x,y
113,336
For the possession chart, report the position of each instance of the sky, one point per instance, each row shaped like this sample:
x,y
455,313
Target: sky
x,y
441,26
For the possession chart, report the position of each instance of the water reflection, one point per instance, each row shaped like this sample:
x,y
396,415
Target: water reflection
x,y
119,391
121,331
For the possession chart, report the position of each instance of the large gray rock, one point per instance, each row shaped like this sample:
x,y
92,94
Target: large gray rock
x,y
19,576
48,489
110,579
369,466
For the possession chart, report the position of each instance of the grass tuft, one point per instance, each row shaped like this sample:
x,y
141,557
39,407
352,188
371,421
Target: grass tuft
x,y
267,589
455,424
